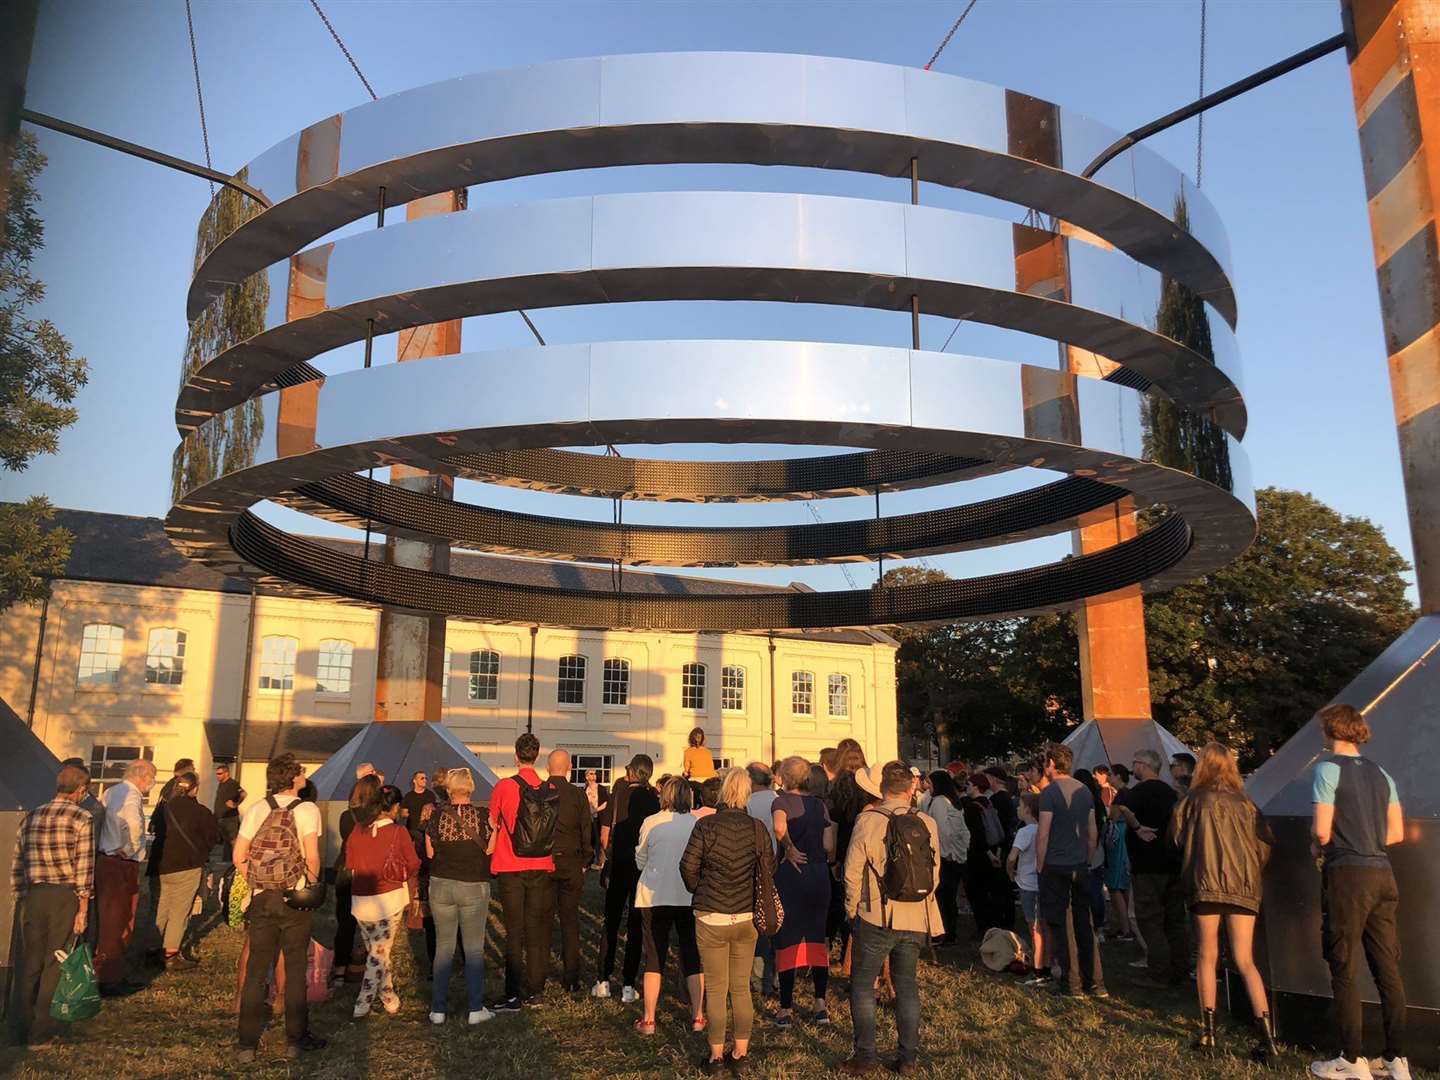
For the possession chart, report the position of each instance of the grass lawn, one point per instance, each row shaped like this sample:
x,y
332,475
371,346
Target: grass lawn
x,y
975,1023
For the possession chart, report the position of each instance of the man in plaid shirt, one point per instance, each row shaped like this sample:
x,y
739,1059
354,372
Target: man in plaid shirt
x,y
53,876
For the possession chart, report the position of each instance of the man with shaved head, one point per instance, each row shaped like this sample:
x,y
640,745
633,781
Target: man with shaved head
x,y
573,853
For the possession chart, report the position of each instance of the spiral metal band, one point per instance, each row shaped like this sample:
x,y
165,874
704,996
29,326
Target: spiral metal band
x,y
1139,282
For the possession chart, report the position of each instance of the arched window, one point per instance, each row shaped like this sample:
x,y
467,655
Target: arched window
x,y
277,663
839,695
615,687
484,675
100,645
692,686
802,693
570,682
165,657
332,674
732,688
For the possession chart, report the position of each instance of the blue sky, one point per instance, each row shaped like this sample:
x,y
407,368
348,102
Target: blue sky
x,y
1281,166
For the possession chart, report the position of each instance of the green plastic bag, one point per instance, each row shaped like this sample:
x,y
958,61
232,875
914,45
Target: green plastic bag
x,y
239,900
77,995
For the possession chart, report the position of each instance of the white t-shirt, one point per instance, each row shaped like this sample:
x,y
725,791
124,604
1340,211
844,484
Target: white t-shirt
x,y
307,818
761,806
1025,876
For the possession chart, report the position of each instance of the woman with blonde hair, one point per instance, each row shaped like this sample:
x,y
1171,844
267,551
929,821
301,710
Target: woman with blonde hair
x,y
719,867
697,763
1224,844
456,838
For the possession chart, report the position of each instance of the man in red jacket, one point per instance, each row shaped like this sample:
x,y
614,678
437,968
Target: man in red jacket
x,y
522,881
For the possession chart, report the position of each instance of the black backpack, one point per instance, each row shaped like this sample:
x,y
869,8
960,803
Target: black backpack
x,y
535,818
994,830
909,858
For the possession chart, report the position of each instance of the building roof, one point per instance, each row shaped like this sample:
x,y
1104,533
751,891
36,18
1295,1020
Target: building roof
x,y
125,550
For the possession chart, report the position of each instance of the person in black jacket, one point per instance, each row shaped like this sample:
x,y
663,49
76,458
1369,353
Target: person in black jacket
x,y
631,802
185,832
718,868
572,852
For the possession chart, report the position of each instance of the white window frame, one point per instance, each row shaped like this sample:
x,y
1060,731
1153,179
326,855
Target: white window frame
x,y
841,680
107,768
802,693
102,651
483,669
732,688
445,676
692,689
281,668
165,659
578,667
334,649
615,683
602,763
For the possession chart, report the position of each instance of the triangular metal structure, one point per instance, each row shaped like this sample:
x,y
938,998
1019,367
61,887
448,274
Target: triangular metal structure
x,y
27,773
1111,741
1399,693
399,749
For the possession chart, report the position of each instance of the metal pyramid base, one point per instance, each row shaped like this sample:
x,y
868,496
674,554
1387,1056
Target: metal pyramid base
x,y
399,749
1112,741
1400,696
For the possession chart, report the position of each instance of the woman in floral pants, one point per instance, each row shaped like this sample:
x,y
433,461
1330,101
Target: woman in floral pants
x,y
385,884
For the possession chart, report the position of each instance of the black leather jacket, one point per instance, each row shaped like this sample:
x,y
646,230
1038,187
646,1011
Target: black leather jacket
x,y
1224,844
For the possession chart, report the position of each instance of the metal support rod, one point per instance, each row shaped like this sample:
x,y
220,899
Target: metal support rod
x,y
110,142
245,685
773,742
39,658
880,576
915,322
530,705
531,325
914,181
1219,97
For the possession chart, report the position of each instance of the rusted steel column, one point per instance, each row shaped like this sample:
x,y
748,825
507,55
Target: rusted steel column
x,y
1114,669
1395,76
410,652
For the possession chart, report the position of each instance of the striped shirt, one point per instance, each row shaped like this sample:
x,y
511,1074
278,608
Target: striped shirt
x,y
57,847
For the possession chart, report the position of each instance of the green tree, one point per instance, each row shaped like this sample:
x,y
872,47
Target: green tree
x,y
1249,653
39,377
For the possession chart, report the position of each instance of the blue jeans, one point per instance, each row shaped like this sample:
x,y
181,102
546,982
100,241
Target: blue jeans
x,y
463,906
872,944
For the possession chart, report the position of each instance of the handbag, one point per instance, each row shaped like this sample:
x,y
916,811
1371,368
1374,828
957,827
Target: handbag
x,y
769,913
77,994
239,900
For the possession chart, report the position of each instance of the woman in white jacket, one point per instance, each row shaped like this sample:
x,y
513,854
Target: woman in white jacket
x,y
664,902
942,802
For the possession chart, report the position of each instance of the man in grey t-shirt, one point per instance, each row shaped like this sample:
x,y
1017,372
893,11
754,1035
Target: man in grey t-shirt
x,y
1066,839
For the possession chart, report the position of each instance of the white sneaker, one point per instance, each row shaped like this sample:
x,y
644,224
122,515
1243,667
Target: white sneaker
x,y
600,990
479,1016
1395,1068
361,1011
437,1018
629,996
1341,1068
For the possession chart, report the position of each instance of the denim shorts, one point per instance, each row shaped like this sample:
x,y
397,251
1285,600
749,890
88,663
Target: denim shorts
x,y
1029,904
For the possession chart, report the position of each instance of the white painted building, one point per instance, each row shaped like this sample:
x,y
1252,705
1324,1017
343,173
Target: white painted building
x,y
142,653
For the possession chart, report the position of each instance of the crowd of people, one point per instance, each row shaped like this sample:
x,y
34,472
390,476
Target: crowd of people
x,y
761,874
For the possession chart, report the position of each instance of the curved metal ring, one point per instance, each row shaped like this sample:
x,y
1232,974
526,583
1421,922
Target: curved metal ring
x,y
695,245
753,391
750,108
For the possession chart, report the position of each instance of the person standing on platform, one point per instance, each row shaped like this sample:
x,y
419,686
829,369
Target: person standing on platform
x,y
524,809
697,763
572,852
117,875
53,878
1357,817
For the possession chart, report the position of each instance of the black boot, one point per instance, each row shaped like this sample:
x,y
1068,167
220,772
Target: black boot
x,y
1205,1044
1266,1052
